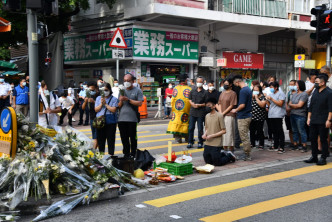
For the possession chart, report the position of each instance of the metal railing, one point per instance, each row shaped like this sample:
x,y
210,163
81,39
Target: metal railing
x,y
265,8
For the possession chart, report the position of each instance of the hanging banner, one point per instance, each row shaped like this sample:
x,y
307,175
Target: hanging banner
x,y
164,44
244,60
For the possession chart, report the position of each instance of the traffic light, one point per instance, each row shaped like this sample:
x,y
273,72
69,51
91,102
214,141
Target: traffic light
x,y
323,24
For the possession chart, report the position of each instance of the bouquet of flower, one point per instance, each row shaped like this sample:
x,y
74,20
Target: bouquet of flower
x,y
122,90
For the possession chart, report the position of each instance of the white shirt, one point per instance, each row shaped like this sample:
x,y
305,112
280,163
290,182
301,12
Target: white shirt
x,y
71,92
4,89
308,86
329,82
52,117
116,92
67,102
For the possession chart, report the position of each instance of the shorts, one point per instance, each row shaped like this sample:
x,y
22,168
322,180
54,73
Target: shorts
x,y
288,123
228,138
93,130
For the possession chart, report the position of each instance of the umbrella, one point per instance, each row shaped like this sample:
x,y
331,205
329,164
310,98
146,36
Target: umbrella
x,y
4,64
5,26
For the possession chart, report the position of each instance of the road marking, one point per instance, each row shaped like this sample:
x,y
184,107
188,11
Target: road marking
x,y
146,136
265,206
166,146
118,134
85,130
140,206
177,198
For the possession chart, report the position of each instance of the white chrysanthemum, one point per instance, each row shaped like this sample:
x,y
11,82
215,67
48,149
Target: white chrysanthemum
x,y
67,158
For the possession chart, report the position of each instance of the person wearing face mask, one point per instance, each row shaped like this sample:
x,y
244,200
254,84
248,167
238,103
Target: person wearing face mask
x,y
107,106
168,98
197,98
100,82
115,89
292,90
243,112
205,86
298,106
258,117
221,88
90,102
4,93
212,92
49,107
277,111
21,98
67,105
129,116
227,102
81,97
319,119
326,70
214,130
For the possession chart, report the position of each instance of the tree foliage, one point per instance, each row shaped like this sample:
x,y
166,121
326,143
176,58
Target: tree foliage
x,y
18,34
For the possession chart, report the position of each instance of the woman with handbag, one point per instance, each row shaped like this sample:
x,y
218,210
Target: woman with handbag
x,y
106,109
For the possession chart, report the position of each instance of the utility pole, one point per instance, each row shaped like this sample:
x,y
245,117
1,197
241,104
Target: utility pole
x,y
33,64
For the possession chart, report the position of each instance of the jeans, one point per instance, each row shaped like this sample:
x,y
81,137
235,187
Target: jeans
x,y
192,123
93,130
256,132
244,125
107,133
128,131
213,155
298,127
278,132
323,132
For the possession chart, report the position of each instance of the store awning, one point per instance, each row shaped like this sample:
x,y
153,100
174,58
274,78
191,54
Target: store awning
x,y
4,64
10,73
5,26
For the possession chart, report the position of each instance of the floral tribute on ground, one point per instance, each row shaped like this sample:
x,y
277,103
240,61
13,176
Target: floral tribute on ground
x,y
53,165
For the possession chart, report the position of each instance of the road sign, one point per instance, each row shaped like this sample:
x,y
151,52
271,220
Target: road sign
x,y
299,64
118,54
309,64
8,132
118,40
299,57
222,62
207,61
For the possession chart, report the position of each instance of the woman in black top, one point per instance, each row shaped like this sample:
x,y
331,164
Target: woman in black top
x,y
258,117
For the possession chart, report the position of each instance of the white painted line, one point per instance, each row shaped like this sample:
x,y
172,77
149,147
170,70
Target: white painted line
x,y
175,217
140,206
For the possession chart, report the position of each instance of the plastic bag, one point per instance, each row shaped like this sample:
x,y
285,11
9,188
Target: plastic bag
x,y
143,160
183,159
160,159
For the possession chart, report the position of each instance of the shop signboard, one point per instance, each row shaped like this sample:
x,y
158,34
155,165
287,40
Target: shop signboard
x,y
8,132
93,46
161,44
221,62
244,60
207,61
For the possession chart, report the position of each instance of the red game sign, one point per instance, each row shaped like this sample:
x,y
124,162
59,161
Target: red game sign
x,y
244,60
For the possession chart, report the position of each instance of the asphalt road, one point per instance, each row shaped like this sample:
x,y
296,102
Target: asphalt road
x,y
286,191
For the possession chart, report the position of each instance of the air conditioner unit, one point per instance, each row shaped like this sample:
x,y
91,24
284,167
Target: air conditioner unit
x,y
296,17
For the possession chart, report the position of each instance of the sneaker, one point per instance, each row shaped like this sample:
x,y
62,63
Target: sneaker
x,y
271,149
190,145
80,123
179,140
200,146
304,150
72,119
294,147
231,156
246,157
281,151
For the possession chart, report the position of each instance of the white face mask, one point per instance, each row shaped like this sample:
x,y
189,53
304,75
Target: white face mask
x,y
127,84
199,84
24,83
107,93
116,84
211,88
170,86
12,87
100,84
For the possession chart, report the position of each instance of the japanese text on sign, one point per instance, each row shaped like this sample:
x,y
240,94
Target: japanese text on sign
x,y
161,44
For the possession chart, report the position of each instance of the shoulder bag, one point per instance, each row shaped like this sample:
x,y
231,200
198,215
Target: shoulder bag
x,y
100,122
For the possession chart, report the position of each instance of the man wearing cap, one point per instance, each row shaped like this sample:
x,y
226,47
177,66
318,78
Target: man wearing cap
x,y
21,98
4,93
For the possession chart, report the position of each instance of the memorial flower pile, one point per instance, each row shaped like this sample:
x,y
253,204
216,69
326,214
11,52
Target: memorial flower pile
x,y
49,165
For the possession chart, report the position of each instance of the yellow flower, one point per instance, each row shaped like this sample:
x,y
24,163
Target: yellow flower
x,y
86,197
74,144
90,153
32,144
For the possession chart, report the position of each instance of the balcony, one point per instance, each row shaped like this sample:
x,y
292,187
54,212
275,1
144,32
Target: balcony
x,y
264,8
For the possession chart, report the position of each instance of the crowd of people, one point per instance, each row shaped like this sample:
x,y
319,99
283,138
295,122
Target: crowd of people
x,y
239,114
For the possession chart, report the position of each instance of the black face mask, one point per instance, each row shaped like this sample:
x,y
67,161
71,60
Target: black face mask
x,y
208,109
226,87
317,86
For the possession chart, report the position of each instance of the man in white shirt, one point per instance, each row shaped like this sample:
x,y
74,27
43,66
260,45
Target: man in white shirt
x,y
67,105
5,90
115,89
49,107
310,85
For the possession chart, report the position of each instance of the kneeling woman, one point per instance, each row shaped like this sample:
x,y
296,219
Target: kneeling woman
x,y
107,106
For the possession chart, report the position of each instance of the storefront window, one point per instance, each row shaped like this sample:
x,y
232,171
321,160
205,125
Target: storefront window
x,y
276,45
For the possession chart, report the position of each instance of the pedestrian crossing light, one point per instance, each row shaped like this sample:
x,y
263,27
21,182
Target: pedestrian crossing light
x,y
323,24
